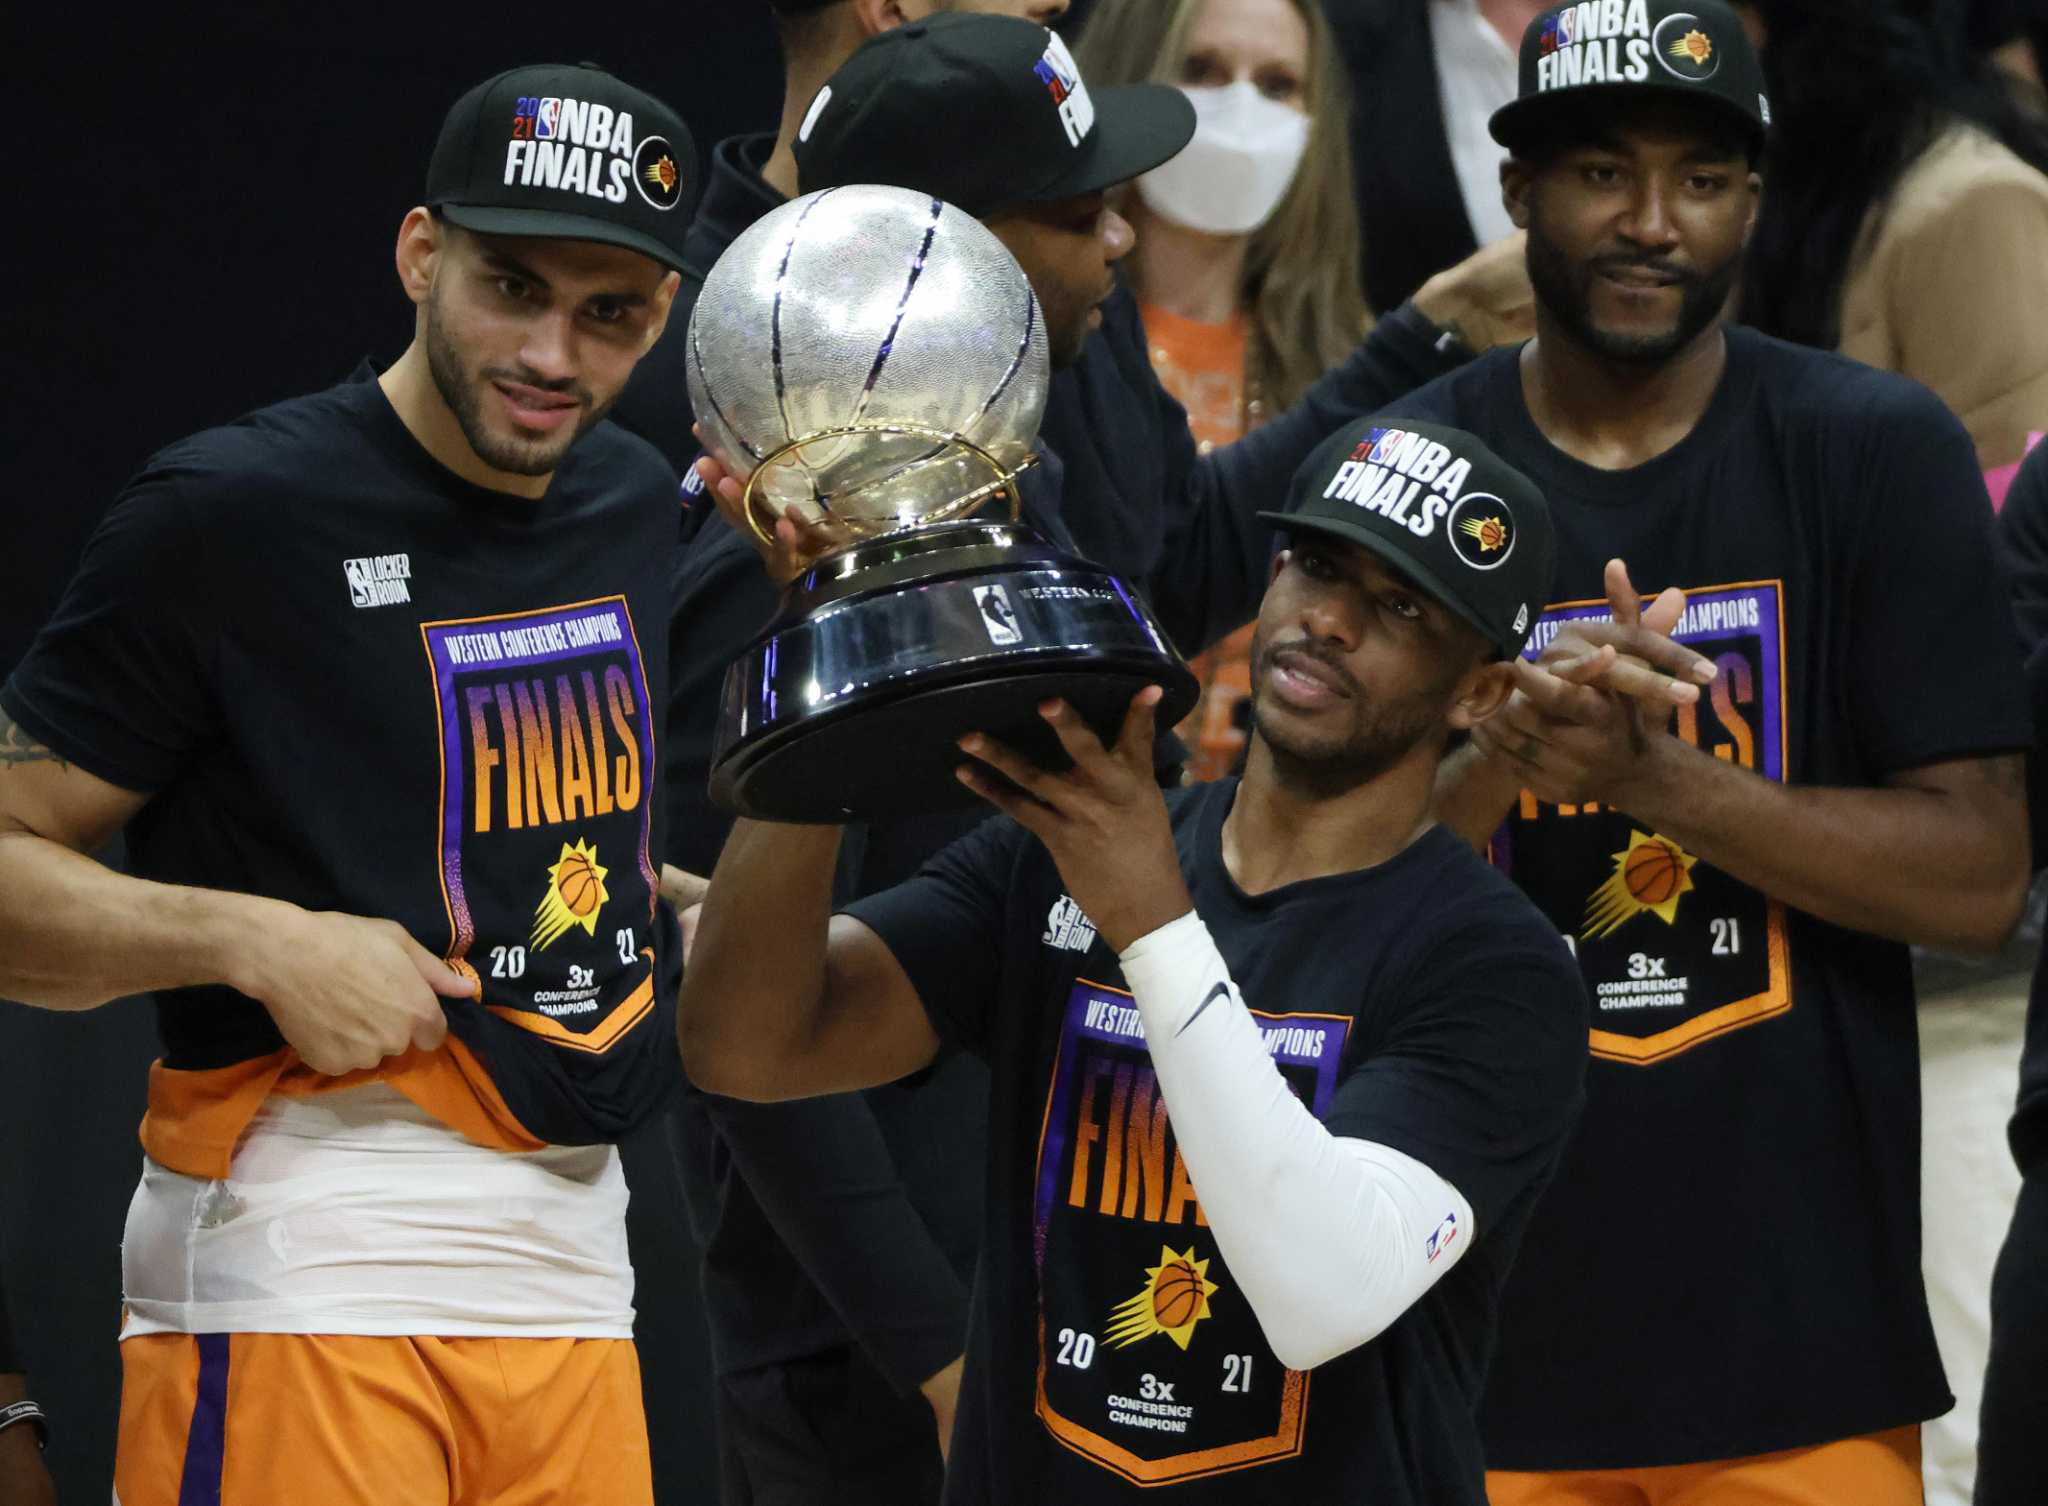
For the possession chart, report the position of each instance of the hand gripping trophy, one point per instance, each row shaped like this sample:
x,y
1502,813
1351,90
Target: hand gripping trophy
x,y
875,358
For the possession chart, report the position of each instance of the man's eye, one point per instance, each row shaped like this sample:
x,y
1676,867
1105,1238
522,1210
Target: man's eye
x,y
1601,173
1314,563
1405,607
1707,183
513,289
604,311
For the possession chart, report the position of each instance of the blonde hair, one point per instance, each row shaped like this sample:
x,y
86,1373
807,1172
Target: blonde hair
x,y
1302,287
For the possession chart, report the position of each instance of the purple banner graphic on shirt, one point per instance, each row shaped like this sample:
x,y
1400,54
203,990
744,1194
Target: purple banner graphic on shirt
x,y
546,732
1307,1048
1675,953
1151,1364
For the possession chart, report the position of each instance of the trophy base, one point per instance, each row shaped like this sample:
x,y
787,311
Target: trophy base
x,y
897,758
850,704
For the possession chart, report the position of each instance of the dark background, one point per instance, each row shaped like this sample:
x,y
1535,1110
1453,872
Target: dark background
x,y
201,216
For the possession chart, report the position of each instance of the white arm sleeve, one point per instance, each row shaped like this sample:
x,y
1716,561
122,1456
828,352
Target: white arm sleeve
x,y
1330,1238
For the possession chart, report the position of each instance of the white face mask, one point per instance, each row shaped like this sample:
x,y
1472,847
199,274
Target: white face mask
x,y
1231,177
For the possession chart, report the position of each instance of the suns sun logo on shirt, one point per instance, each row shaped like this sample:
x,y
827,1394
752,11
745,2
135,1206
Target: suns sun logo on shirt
x,y
575,894
1174,1299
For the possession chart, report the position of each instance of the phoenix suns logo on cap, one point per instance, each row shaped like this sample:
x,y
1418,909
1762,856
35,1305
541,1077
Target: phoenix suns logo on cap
x,y
656,174
1482,531
1685,48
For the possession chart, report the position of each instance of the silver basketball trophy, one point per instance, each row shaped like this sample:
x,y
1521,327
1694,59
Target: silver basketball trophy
x,y
875,358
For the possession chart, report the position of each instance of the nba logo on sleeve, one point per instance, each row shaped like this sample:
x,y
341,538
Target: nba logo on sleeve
x,y
1442,1237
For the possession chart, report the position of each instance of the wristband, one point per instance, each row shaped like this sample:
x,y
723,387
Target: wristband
x,y
29,1412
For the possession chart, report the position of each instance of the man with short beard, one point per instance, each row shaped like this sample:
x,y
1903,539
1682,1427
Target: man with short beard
x,y
1291,995
374,678
839,1234
1720,1298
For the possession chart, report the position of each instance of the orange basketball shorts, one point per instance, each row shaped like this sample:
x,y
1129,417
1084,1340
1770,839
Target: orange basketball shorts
x,y
1879,1469
270,1419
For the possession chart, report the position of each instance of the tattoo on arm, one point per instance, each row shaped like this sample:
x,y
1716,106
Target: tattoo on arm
x,y
16,746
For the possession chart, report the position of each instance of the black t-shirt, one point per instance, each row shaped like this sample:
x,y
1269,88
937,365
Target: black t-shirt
x,y
1122,482
1729,1262
351,680
1422,1004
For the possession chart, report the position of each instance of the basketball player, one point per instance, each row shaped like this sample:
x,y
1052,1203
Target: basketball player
x,y
1720,1299
840,1234
1278,1065
372,676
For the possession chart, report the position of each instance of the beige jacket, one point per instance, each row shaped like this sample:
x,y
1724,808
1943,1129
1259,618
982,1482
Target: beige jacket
x,y
1950,287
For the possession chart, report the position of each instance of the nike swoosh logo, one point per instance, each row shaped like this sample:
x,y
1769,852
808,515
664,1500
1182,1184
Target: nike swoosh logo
x,y
1219,991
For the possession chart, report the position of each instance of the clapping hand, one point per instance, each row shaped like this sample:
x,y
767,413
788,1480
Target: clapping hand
x,y
1580,724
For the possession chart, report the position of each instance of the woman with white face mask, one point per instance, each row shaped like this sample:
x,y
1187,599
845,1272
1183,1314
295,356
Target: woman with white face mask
x,y
1247,257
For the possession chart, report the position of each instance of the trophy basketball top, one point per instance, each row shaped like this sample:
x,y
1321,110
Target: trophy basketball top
x,y
874,356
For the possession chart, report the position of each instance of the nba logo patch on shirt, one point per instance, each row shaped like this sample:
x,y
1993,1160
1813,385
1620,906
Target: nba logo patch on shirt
x,y
378,580
1067,927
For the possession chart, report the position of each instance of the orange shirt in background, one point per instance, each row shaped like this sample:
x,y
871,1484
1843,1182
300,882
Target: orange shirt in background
x,y
1203,366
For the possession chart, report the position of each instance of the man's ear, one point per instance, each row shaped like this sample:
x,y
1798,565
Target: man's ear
x,y
1483,691
419,247
663,302
1756,197
1280,560
1515,182
887,15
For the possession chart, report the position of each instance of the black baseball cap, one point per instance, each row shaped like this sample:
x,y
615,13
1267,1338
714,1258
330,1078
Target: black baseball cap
x,y
982,111
1602,49
1440,507
567,152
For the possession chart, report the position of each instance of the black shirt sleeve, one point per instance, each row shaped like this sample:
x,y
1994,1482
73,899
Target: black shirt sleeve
x,y
120,680
721,600
1482,1078
1213,567
2023,537
1934,660
824,1178
946,929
